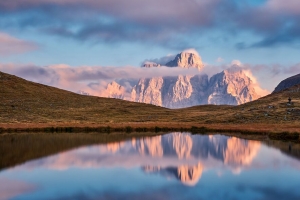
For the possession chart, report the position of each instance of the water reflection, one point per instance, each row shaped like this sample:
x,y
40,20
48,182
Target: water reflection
x,y
154,163
178,154
188,175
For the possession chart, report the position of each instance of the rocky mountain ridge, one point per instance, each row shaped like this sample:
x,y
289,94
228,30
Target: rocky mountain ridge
x,y
287,83
186,60
230,87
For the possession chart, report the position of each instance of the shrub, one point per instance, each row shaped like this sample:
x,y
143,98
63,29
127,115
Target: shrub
x,y
128,129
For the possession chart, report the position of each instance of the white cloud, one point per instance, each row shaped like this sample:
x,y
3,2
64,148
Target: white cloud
x,y
219,59
193,51
236,62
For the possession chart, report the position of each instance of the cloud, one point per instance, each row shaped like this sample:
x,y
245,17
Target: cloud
x,y
94,79
219,59
238,65
89,79
287,6
257,86
165,23
162,61
192,50
10,45
162,22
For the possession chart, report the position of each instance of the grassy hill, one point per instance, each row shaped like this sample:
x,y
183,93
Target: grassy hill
x,y
24,104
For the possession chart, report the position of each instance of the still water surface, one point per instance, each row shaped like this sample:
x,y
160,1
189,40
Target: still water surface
x,y
172,166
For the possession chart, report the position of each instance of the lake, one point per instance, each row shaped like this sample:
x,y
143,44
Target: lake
x,y
171,166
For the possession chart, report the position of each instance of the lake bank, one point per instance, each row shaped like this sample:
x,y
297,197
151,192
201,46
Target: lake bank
x,y
276,131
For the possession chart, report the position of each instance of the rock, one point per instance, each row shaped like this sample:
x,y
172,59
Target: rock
x,y
289,82
231,87
148,64
83,93
228,87
186,60
114,90
172,92
148,91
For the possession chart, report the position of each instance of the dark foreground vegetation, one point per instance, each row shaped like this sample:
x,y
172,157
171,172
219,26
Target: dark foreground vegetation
x,y
281,135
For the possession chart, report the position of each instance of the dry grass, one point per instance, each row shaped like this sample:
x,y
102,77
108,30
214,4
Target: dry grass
x,y
25,104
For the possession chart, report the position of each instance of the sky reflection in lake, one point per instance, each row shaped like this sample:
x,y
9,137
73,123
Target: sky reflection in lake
x,y
172,166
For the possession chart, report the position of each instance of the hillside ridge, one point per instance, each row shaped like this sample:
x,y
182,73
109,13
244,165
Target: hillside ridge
x,y
25,103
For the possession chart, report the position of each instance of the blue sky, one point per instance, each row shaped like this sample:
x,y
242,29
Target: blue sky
x,y
124,33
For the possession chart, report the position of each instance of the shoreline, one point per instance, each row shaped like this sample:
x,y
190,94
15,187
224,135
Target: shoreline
x,y
273,131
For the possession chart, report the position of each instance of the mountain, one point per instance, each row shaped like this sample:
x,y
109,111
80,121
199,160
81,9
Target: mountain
x,y
230,87
114,90
289,82
171,92
186,60
183,60
148,64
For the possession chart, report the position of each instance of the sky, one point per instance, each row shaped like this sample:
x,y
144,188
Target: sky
x,y
263,35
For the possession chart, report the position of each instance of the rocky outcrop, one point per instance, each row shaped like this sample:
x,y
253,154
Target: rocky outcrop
x,y
186,60
83,93
148,91
171,92
183,60
114,90
287,83
231,87
148,64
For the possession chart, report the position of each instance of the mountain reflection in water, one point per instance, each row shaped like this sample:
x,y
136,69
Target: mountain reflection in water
x,y
150,162
187,149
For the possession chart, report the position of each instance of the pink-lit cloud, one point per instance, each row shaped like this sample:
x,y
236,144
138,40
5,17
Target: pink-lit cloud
x,y
167,23
10,45
94,79
286,6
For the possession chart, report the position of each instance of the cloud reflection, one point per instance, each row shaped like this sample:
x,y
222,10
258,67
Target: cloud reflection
x,y
13,188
